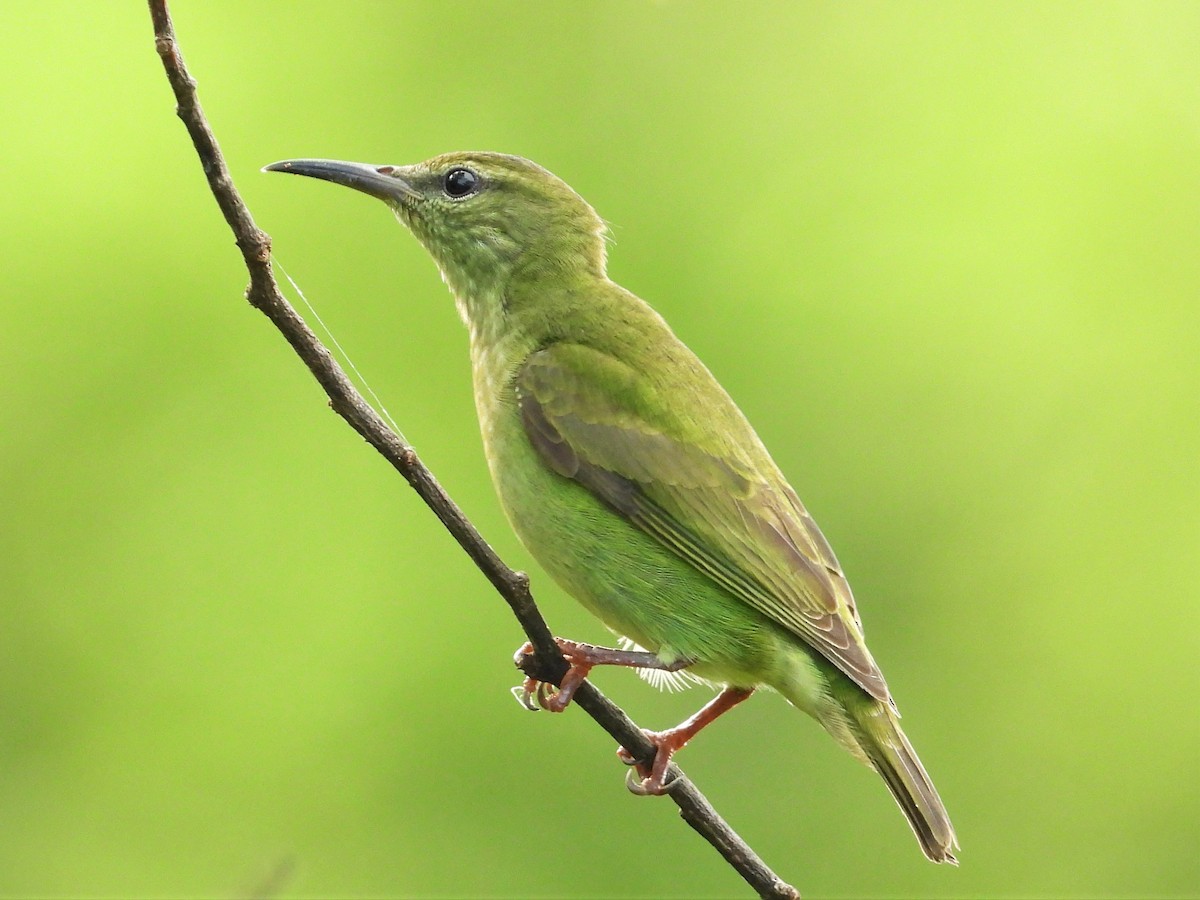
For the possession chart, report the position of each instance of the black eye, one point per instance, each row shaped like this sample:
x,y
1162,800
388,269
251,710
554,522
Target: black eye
x,y
460,182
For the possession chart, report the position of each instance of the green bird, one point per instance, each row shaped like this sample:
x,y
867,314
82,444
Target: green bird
x,y
632,476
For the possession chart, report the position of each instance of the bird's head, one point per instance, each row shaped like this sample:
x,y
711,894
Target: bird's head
x,y
484,217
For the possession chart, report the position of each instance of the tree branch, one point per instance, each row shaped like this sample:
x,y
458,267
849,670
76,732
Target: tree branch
x,y
546,664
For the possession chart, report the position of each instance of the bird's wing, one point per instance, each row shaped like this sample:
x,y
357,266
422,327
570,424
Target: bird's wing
x,y
593,419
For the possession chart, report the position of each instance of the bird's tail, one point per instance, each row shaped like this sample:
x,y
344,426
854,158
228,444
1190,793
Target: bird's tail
x,y
892,756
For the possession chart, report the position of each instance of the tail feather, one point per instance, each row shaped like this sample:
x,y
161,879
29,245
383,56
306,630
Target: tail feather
x,y
892,756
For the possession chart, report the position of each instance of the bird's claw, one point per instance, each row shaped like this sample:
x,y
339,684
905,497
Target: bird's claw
x,y
635,783
650,780
524,693
644,786
527,689
522,655
534,695
549,698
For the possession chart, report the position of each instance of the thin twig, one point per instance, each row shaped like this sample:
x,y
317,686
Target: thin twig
x,y
546,664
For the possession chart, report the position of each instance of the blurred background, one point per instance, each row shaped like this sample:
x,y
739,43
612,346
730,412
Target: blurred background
x,y
945,256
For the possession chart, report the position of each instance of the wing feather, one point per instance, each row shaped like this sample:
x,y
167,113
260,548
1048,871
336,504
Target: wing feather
x,y
590,418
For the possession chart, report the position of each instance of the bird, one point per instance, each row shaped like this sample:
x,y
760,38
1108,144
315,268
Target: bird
x,y
633,478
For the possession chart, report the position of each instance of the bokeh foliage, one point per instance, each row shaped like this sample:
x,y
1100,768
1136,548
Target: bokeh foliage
x,y
945,255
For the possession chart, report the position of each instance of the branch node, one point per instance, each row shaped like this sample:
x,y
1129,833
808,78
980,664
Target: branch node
x,y
256,244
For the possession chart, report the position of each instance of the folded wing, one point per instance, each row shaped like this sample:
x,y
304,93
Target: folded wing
x,y
592,419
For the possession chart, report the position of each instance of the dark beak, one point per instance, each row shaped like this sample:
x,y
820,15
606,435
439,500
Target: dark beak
x,y
378,181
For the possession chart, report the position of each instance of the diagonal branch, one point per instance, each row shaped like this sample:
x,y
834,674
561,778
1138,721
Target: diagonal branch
x,y
546,664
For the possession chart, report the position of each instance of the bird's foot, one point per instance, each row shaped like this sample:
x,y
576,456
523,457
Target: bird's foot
x,y
653,776
580,657
668,743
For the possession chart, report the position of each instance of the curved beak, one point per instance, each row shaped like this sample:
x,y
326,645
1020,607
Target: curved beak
x,y
378,181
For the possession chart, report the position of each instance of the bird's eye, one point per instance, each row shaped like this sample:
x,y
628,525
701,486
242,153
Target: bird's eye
x,y
460,182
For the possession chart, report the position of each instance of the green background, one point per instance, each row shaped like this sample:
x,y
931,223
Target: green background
x,y
946,258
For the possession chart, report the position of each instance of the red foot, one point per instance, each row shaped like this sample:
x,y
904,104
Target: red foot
x,y
554,701
654,776
667,743
582,659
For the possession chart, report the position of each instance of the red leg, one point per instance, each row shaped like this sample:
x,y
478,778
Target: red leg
x,y
674,739
582,658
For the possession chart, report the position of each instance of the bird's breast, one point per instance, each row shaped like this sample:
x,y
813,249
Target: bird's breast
x,y
493,366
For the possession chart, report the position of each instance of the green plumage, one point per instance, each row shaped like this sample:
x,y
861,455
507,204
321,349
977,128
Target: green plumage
x,y
627,470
